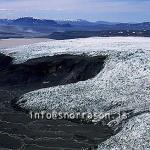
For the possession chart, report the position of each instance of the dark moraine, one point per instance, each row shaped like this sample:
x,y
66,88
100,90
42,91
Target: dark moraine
x,y
5,61
18,131
51,70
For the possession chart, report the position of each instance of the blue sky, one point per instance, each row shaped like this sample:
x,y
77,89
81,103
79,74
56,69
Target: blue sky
x,y
105,10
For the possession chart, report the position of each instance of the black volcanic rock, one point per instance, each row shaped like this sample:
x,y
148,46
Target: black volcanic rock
x,y
12,141
51,70
5,61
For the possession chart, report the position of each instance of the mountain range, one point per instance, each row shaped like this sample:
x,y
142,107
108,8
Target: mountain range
x,y
31,27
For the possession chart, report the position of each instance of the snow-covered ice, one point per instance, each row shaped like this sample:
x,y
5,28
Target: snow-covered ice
x,y
123,84
124,80
91,46
134,136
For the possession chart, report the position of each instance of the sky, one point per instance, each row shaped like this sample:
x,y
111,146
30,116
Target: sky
x,y
92,10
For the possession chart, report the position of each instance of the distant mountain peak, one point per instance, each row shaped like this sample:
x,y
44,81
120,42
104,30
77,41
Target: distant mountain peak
x,y
33,21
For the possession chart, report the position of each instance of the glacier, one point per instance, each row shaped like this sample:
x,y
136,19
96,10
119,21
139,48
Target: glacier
x,y
90,46
134,136
123,85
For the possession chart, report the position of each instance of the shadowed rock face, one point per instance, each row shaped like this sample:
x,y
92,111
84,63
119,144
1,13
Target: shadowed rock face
x,y
5,61
50,70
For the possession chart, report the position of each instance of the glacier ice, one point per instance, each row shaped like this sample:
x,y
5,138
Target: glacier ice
x,y
134,136
125,79
123,85
90,46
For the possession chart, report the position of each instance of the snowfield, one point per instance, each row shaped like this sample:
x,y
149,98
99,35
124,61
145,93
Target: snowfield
x,y
91,46
123,85
134,136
